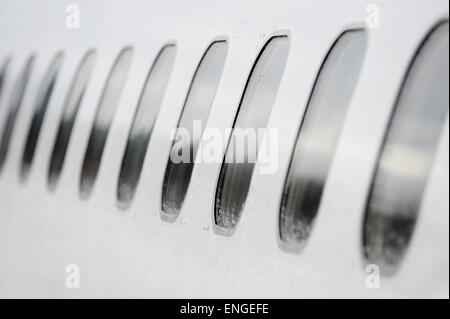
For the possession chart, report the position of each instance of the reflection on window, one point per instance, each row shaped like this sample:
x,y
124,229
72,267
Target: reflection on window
x,y
318,135
14,106
196,109
144,119
407,154
3,70
105,114
70,111
254,110
44,94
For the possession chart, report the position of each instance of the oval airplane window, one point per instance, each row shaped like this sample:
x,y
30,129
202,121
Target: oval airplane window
x,y
195,112
242,149
103,118
407,154
42,100
144,119
3,71
318,136
14,106
70,110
